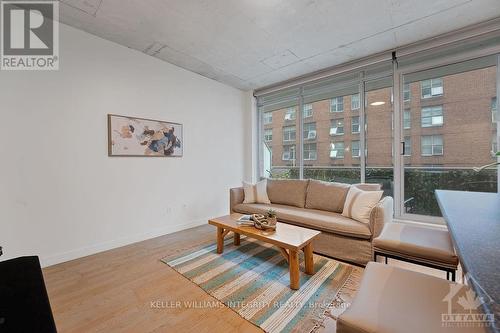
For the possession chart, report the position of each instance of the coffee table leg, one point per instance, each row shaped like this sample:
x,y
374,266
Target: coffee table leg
x,y
294,270
236,239
220,240
308,258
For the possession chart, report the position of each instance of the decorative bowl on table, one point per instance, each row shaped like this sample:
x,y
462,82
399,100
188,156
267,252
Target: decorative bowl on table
x,y
264,223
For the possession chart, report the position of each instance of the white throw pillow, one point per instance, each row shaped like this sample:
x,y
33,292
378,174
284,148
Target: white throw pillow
x,y
256,193
359,204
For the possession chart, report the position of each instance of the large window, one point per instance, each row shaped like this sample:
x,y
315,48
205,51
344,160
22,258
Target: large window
x,y
337,104
310,152
337,127
432,88
445,126
432,116
289,133
309,131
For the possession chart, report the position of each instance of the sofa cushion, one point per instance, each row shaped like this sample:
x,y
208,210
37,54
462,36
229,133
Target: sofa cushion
x,y
391,299
256,193
368,186
290,192
417,242
326,196
359,204
311,218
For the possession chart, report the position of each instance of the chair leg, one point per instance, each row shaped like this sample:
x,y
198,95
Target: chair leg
x,y
386,260
447,275
453,277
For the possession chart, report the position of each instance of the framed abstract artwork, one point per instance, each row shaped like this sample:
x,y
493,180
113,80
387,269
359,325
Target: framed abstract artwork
x,y
131,136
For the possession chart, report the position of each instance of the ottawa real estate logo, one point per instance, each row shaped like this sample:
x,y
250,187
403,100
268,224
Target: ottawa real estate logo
x,y
29,35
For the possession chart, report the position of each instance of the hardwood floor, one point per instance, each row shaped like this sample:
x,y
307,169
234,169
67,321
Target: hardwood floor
x,y
113,291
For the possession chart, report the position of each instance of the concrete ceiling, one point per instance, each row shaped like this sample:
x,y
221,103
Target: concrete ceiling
x,y
249,44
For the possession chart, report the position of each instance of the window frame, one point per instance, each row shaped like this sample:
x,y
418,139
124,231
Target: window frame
x,y
267,120
358,125
332,148
308,110
332,127
358,149
315,150
293,112
308,131
266,131
432,145
336,104
290,149
431,87
289,132
431,116
358,102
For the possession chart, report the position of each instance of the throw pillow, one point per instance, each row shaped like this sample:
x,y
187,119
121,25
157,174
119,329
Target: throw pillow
x,y
256,193
359,203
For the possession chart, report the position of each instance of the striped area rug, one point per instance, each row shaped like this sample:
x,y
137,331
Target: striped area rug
x,y
253,280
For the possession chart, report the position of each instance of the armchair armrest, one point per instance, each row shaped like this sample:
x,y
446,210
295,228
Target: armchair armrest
x,y
381,214
236,196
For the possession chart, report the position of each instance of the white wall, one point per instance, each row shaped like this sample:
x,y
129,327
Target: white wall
x,y
62,197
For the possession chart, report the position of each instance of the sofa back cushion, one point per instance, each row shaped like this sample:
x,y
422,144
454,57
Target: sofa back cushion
x,y
290,192
326,196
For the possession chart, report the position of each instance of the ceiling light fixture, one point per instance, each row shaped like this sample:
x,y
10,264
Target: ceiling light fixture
x,y
377,103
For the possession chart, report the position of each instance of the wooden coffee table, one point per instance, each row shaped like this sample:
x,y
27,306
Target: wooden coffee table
x,y
288,238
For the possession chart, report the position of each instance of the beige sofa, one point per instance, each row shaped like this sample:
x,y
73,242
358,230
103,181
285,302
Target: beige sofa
x,y
318,205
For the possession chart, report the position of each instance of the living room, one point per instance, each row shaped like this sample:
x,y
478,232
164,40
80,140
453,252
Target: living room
x,y
253,166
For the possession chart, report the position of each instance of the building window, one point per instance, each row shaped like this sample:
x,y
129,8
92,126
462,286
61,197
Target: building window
x,y
355,102
355,149
337,150
432,145
494,144
337,104
310,152
337,127
406,119
268,134
308,110
290,114
494,110
355,125
288,153
407,151
432,116
268,118
432,88
406,92
289,133
309,131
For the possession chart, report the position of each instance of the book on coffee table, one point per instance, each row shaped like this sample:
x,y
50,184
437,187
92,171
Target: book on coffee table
x,y
245,220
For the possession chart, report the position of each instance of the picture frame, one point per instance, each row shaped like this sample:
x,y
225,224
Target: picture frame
x,y
142,137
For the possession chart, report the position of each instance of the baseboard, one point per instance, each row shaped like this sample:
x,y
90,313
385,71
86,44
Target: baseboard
x,y
112,244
